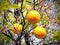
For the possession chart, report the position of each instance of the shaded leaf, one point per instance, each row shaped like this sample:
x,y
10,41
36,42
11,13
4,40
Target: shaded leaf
x,y
56,5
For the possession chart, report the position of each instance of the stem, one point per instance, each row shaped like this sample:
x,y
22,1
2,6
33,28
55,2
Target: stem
x,y
34,4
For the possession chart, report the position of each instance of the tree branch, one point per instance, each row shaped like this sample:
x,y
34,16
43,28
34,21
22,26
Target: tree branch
x,y
34,4
22,13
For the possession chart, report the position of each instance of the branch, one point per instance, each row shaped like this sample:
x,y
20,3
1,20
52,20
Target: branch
x,y
22,14
34,4
5,14
19,37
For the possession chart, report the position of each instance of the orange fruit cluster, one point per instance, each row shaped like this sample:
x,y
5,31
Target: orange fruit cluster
x,y
32,17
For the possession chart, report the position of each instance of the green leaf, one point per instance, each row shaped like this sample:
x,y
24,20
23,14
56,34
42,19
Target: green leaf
x,y
24,2
4,6
14,6
59,32
4,22
44,18
56,5
28,6
58,17
7,40
29,1
56,35
24,12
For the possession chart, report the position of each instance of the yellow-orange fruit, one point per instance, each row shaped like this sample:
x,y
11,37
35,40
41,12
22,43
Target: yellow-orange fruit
x,y
39,32
16,28
33,17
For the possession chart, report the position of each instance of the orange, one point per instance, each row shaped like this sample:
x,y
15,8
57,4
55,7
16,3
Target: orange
x,y
39,32
33,17
17,28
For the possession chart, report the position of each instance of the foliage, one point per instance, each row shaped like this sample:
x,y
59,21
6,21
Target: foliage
x,y
56,37
6,5
58,17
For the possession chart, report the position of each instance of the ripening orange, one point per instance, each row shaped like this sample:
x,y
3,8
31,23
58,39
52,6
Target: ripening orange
x,y
39,32
33,17
16,28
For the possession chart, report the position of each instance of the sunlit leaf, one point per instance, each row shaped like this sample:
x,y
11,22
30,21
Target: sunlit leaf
x,y
14,6
28,6
24,13
24,2
56,35
19,4
11,17
44,18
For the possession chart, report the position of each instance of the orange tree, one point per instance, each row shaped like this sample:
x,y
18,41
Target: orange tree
x,y
24,18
